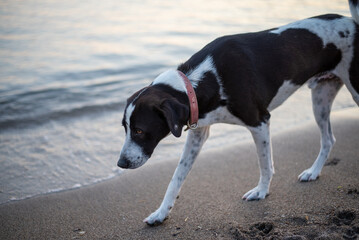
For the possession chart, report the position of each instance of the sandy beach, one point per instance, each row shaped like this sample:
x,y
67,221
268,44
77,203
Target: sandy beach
x,y
210,204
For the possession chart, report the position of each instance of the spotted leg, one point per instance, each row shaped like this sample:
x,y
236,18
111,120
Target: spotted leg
x,y
323,94
261,136
194,143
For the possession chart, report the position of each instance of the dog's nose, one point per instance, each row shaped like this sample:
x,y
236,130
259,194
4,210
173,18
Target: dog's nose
x,y
123,162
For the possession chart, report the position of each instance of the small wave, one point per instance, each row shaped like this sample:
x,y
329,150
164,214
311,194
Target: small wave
x,y
92,74
60,115
79,94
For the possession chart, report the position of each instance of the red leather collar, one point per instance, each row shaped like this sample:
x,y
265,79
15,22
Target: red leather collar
x,y
193,120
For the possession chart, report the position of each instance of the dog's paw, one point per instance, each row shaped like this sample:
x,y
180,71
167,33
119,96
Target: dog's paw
x,y
156,217
308,175
256,193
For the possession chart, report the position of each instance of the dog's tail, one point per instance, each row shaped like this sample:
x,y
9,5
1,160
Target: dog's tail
x,y
354,9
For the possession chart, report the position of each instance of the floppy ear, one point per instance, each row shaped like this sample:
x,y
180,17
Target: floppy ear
x,y
176,115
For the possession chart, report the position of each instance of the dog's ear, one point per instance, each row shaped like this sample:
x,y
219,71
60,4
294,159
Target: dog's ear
x,y
176,115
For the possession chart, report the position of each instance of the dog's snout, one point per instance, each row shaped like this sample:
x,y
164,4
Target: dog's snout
x,y
123,162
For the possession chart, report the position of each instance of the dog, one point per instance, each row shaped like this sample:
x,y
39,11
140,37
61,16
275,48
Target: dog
x,y
239,79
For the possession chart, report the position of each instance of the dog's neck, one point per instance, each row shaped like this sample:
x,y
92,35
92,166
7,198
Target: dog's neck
x,y
204,80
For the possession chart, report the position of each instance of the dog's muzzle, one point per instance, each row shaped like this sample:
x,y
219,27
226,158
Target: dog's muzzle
x,y
132,155
127,162
123,162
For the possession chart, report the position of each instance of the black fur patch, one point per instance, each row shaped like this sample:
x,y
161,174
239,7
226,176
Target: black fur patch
x,y
328,17
253,66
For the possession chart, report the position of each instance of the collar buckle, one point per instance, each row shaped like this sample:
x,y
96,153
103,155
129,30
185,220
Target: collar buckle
x,y
192,126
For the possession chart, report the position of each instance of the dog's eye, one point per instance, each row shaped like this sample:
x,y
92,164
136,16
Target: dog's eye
x,y
138,131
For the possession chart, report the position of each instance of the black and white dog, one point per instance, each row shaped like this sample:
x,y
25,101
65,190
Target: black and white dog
x,y
239,79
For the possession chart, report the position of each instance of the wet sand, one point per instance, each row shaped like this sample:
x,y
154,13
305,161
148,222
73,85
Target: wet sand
x,y
210,204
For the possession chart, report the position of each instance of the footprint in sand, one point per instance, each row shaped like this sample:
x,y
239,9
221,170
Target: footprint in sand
x,y
345,217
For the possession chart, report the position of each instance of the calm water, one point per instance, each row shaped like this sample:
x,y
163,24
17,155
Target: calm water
x,y
67,67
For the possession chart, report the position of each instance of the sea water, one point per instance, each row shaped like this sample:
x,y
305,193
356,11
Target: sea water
x,y
67,67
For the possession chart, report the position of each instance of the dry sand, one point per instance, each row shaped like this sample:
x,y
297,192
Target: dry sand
x,y
210,205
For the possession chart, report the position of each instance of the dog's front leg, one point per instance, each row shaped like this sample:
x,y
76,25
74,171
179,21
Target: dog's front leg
x,y
261,138
194,143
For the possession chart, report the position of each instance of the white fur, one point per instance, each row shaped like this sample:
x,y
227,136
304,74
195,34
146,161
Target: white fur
x,y
287,89
261,137
171,78
323,94
131,150
206,65
128,114
194,143
327,30
354,10
196,75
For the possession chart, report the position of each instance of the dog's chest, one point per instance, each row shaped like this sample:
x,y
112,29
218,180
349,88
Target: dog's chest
x,y
219,115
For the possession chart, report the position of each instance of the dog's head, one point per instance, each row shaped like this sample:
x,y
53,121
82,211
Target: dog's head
x,y
150,115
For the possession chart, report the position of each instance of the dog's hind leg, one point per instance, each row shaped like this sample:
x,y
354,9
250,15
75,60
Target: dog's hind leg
x,y
194,143
323,94
261,136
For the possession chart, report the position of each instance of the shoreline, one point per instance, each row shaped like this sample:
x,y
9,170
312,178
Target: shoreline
x,y
210,205
246,139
